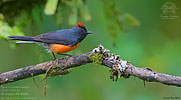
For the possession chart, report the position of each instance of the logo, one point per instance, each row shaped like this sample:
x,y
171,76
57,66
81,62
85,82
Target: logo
x,y
168,11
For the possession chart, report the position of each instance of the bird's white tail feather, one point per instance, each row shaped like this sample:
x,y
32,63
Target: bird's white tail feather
x,y
25,42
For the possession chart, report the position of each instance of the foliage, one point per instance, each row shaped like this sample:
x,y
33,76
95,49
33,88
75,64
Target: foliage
x,y
13,9
116,17
63,10
6,30
50,7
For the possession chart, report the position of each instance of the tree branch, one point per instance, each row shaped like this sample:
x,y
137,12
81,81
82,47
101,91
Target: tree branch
x,y
119,68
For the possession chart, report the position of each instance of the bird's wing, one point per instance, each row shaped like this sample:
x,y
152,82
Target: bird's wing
x,y
63,37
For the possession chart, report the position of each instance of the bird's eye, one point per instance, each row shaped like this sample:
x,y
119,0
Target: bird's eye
x,y
81,31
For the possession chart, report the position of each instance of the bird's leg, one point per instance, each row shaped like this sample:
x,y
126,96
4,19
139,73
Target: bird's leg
x,y
54,56
64,54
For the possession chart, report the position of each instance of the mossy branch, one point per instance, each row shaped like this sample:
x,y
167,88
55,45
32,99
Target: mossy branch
x,y
119,68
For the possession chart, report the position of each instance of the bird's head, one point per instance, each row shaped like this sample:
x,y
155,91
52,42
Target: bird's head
x,y
83,29
80,31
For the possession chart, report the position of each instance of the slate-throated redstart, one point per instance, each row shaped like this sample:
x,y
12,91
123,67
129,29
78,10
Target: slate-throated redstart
x,y
60,41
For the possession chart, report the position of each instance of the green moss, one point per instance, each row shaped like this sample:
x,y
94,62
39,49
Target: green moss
x,y
58,71
97,58
54,71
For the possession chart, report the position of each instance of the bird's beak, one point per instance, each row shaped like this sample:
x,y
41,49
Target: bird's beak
x,y
89,32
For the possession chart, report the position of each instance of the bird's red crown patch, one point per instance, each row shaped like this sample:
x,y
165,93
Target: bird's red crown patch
x,y
80,25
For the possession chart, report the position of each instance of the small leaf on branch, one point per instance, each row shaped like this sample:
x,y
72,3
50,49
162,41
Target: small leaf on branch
x,y
50,7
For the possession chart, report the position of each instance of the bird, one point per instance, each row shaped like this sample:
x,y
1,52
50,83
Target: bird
x,y
60,41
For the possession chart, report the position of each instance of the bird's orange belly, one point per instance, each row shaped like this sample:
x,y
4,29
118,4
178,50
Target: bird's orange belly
x,y
58,48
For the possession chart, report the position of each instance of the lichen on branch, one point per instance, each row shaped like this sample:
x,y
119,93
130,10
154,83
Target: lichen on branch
x,y
119,66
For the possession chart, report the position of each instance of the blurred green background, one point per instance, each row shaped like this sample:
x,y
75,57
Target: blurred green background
x,y
133,29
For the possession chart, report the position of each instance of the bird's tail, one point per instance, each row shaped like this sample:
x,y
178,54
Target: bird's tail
x,y
23,39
